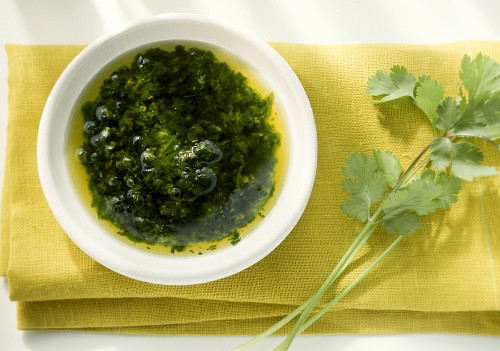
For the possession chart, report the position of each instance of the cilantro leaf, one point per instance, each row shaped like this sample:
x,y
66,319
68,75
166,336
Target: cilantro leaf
x,y
448,114
472,121
451,186
481,114
391,86
389,165
424,195
465,159
487,118
420,196
474,114
403,223
490,109
482,119
441,153
381,84
428,96
365,183
358,206
481,77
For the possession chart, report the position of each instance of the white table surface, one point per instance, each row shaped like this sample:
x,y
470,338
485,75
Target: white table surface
x,y
306,21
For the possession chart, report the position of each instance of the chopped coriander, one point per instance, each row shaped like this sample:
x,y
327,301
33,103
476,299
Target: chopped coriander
x,y
235,237
178,149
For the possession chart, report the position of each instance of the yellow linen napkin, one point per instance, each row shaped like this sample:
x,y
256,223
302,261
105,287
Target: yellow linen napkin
x,y
445,278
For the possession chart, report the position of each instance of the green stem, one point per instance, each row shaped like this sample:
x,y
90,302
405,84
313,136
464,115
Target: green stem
x,y
299,309
344,292
411,168
371,222
273,328
415,170
366,231
306,308
472,135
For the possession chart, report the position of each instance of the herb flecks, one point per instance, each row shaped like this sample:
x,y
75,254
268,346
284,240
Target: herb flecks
x,y
178,148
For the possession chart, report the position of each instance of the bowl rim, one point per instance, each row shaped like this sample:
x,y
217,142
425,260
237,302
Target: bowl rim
x,y
181,270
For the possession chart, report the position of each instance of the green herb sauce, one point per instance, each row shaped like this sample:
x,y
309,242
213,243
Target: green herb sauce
x,y
178,149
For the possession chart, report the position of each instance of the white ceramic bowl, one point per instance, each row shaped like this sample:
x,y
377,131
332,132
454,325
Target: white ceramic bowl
x,y
76,217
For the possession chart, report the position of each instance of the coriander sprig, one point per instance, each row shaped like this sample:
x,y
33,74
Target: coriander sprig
x,y
381,193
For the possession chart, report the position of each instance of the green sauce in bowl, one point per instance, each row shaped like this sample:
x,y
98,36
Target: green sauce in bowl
x,y
178,149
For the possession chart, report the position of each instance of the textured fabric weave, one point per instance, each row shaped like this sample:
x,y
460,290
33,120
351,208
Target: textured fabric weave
x,y
445,278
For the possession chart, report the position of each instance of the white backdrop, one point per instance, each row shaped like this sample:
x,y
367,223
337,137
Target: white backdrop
x,y
303,21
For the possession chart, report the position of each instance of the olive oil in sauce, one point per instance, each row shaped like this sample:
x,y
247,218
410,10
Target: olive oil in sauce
x,y
161,173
